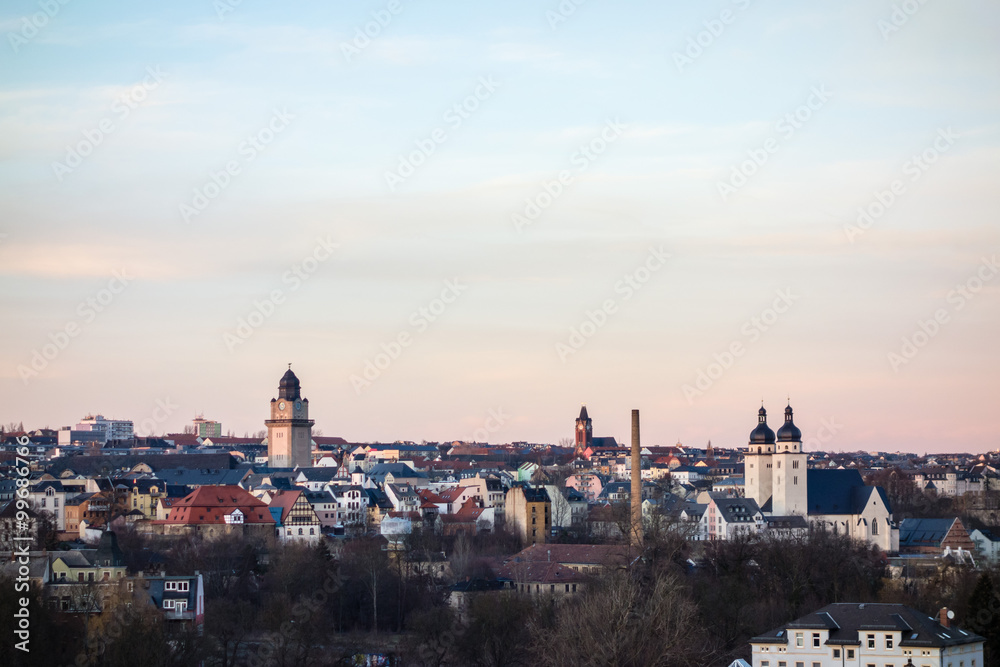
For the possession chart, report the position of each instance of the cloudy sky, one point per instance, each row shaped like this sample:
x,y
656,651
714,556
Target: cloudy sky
x,y
464,220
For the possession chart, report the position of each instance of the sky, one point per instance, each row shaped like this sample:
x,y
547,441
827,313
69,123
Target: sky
x,y
464,220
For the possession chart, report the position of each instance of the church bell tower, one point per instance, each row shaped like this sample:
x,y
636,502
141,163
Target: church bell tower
x,y
583,434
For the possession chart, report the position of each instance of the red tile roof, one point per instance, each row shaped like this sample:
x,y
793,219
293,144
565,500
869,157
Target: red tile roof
x,y
211,504
285,500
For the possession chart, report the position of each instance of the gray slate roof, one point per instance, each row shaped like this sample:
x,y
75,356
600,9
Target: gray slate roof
x,y
847,622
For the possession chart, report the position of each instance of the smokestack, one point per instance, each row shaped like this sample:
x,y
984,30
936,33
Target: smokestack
x,y
943,616
636,500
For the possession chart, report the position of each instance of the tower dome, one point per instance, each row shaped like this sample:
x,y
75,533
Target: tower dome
x,y
789,432
288,387
762,435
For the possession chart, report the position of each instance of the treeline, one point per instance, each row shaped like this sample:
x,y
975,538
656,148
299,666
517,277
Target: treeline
x,y
679,604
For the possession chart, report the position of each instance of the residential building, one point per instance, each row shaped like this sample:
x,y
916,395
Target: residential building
x,y
868,635
181,599
987,544
529,513
727,517
295,519
50,497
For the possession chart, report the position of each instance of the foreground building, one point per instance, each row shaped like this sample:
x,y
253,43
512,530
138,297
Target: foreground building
x,y
863,635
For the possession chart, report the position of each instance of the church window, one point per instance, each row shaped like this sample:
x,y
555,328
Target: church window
x,y
795,480
795,465
874,526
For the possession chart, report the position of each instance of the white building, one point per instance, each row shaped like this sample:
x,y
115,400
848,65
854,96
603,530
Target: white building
x,y
113,429
863,635
727,517
987,544
50,497
777,478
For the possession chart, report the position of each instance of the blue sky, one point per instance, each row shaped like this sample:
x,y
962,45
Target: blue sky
x,y
330,124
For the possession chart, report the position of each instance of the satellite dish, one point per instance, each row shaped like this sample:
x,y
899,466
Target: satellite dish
x,y
951,615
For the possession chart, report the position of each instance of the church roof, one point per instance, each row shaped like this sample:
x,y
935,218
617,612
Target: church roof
x,y
583,412
762,435
839,492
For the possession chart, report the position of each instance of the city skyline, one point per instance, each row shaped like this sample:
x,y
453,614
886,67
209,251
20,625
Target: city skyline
x,y
439,212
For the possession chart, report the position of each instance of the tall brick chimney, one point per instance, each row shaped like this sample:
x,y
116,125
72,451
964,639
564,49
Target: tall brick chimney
x,y
943,617
636,496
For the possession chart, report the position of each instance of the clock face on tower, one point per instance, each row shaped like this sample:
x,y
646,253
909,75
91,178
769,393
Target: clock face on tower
x,y
281,406
298,405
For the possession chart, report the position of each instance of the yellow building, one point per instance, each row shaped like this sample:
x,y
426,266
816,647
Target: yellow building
x,y
529,513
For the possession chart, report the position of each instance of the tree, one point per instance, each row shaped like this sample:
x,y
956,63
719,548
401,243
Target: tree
x,y
983,616
229,623
627,620
499,631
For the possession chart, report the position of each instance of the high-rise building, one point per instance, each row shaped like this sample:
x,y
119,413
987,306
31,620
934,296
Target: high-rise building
x,y
289,430
113,429
207,428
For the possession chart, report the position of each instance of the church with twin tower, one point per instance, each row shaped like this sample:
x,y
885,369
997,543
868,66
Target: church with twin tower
x,y
775,466
289,430
777,477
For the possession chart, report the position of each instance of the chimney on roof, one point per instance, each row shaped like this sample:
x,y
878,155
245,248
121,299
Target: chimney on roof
x,y
943,616
636,495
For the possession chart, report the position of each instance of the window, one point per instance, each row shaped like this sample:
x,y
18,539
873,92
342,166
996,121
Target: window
x,y
815,640
874,526
795,465
182,586
799,643
836,653
850,654
888,642
871,643
800,664
168,604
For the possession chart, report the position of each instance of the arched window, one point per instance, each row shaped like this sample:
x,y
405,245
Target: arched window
x,y
874,526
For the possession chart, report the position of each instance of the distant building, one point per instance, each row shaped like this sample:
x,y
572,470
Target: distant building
x,y
987,544
868,634
206,428
289,430
296,520
777,479
529,513
934,537
112,429
583,434
213,511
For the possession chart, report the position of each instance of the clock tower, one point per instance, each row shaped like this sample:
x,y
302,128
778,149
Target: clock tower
x,y
289,430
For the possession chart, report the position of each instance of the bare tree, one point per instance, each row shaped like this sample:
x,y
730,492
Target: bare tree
x,y
624,620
